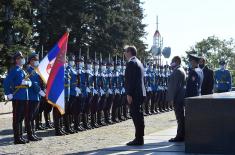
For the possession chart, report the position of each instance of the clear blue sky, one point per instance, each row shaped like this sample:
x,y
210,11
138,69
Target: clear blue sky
x,y
182,23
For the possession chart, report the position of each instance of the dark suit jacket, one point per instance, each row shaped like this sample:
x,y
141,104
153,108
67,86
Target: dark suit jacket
x,y
176,85
208,81
134,80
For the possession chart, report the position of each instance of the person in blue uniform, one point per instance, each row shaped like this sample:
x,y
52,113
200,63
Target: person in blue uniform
x,y
86,109
81,95
110,93
223,78
124,103
195,77
16,88
95,93
148,77
117,95
60,120
153,88
102,92
35,93
70,94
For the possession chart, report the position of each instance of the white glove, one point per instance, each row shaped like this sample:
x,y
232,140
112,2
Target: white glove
x,y
26,83
110,91
78,91
94,91
149,89
88,90
10,97
117,91
101,92
42,93
123,90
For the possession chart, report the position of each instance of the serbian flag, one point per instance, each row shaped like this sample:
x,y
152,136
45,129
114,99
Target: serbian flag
x,y
48,61
51,70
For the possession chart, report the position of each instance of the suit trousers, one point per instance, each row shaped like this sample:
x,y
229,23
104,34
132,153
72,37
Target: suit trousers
x,y
136,111
180,117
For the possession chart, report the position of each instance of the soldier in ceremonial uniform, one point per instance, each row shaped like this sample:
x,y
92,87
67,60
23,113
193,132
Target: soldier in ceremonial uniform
x,y
81,86
195,77
16,88
71,94
102,91
35,93
153,79
148,84
86,110
96,96
117,96
108,85
223,78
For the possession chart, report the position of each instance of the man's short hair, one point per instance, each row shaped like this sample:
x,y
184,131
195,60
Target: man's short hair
x,y
178,59
131,49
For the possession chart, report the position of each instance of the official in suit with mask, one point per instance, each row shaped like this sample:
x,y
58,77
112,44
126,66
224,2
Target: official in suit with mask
x,y
175,95
135,90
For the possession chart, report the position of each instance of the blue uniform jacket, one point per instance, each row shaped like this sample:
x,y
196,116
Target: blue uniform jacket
x,y
223,80
73,80
13,79
36,85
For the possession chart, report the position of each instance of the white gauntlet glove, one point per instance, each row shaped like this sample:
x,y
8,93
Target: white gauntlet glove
x,y
78,91
10,96
42,93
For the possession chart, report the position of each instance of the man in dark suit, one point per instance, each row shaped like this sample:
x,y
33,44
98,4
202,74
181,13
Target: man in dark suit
x,y
175,95
208,80
135,90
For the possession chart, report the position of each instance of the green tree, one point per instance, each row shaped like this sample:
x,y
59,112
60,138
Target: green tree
x,y
214,49
15,29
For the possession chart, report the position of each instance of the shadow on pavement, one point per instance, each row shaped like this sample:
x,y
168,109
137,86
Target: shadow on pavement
x,y
157,148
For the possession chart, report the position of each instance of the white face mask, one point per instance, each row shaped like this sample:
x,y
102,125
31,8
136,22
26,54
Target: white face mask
x,y
96,67
118,68
222,67
36,63
111,68
103,68
124,67
22,61
71,63
81,64
89,66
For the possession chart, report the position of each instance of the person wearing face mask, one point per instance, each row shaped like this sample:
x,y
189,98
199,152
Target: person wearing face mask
x,y
175,95
16,89
195,77
95,98
110,95
116,113
124,105
35,94
102,94
86,109
70,105
223,79
81,85
208,80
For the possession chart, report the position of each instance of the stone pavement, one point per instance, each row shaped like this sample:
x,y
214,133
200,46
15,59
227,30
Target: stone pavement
x,y
155,143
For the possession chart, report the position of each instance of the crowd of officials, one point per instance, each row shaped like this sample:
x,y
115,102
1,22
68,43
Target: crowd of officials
x,y
95,93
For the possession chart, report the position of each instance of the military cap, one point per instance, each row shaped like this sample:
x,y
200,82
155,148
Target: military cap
x,y
71,58
222,62
17,55
33,56
194,57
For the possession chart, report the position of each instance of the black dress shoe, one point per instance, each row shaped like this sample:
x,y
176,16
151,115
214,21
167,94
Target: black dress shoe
x,y
32,138
177,139
59,133
19,141
136,142
25,140
38,138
